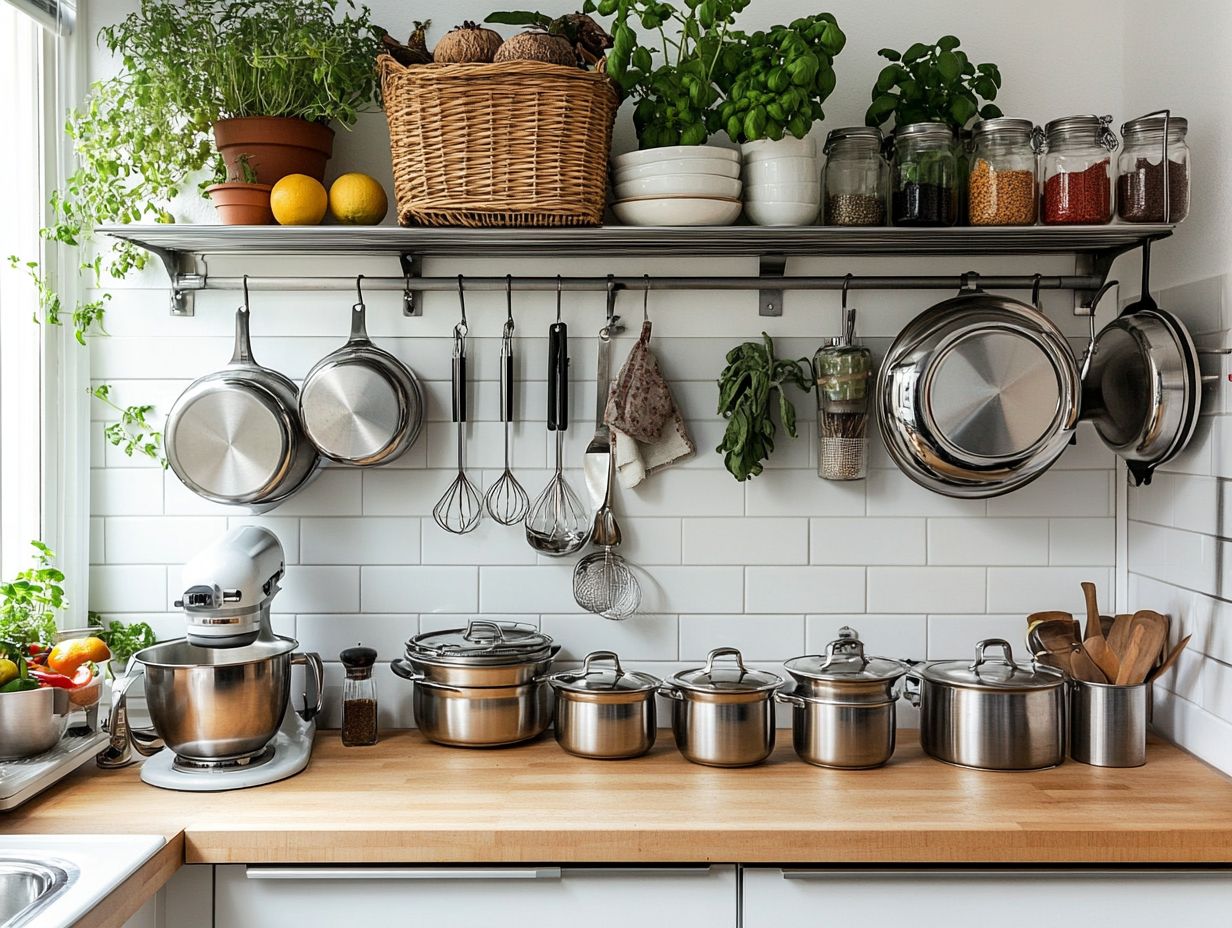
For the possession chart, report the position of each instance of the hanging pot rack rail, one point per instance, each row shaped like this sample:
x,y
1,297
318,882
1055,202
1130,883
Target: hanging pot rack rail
x,y
184,249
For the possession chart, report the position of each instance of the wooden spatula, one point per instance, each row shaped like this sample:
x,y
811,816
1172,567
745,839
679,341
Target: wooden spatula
x,y
1169,660
1103,656
1141,655
1082,667
1094,630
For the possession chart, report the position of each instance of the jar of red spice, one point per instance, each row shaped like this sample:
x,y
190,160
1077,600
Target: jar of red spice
x,y
1078,173
1144,175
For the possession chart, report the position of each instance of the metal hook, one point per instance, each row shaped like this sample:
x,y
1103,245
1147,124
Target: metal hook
x,y
645,297
459,330
846,283
245,293
965,278
558,286
508,333
1089,354
359,293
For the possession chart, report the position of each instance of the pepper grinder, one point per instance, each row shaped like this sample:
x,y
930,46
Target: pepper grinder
x,y
359,709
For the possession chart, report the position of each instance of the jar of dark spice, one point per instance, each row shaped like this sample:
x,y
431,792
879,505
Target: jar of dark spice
x,y
1140,181
855,181
925,175
1078,171
359,717
1001,186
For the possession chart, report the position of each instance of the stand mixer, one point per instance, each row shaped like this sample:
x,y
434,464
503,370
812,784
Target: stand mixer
x,y
219,698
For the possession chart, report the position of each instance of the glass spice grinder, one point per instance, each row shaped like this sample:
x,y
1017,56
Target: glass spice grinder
x,y
842,370
359,708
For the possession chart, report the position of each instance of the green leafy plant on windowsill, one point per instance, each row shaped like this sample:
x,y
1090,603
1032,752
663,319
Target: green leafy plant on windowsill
x,y
933,83
31,602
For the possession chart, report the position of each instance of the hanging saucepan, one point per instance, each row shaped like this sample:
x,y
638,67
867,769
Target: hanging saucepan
x,y
234,436
1141,385
978,395
360,405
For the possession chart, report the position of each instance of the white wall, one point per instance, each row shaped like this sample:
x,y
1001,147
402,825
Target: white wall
x,y
774,566
1177,547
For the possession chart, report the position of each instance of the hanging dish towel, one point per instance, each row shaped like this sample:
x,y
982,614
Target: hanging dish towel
x,y
648,430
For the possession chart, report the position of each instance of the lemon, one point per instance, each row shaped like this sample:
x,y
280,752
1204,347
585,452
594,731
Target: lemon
x,y
357,200
8,670
298,200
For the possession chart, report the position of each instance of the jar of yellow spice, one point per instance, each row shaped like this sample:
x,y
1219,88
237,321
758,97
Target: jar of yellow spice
x,y
1001,188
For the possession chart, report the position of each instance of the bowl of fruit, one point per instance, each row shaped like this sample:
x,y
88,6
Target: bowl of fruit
x,y
40,686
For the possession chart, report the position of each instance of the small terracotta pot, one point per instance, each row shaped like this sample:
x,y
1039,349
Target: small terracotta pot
x,y
275,145
242,204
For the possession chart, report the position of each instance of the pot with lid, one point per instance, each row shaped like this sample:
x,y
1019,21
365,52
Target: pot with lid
x,y
991,713
604,711
723,714
480,686
843,707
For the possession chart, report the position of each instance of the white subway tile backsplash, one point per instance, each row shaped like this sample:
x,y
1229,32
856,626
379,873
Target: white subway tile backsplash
x,y
128,588
804,589
1035,589
893,494
801,493
896,636
1059,493
926,589
684,492
159,540
955,636
696,589
987,541
757,637
1082,541
415,589
745,541
317,589
862,541
640,637
136,491
334,491
329,634
359,541
541,589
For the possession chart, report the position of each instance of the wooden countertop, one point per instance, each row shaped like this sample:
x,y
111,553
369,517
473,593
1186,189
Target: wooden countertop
x,y
410,801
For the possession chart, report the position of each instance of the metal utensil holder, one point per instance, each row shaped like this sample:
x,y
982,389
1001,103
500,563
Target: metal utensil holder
x,y
1108,723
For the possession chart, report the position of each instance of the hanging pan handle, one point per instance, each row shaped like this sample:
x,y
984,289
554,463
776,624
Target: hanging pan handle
x,y
359,317
242,354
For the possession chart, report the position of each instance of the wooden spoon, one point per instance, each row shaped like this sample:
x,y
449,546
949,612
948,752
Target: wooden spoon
x,y
1082,667
1094,630
1103,656
1169,660
1130,658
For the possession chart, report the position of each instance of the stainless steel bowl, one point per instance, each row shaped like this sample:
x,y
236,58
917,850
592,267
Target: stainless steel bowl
x,y
32,722
481,717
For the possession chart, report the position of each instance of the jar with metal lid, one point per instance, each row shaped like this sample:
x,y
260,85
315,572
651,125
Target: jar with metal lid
x,y
359,707
1001,186
991,713
843,707
842,370
925,185
1077,171
604,711
723,714
855,178
1150,184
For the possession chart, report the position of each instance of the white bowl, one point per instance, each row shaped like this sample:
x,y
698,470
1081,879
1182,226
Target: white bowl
x,y
790,193
783,171
787,147
720,167
677,211
779,213
651,155
680,185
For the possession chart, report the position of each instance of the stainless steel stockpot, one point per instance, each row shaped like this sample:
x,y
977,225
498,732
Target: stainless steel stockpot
x,y
723,716
32,721
991,713
843,708
481,716
605,712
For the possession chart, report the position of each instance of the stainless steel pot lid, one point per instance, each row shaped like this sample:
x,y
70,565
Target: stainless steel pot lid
x,y
481,642
596,680
845,661
181,653
726,678
987,673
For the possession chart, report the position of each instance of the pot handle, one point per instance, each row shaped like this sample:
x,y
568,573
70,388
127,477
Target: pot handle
x,y
666,689
790,699
312,661
912,695
402,668
359,319
119,750
595,656
1007,656
725,652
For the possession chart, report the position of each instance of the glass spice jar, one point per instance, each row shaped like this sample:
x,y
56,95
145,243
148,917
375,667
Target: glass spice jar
x,y
1140,170
1001,187
855,179
925,175
1077,171
359,709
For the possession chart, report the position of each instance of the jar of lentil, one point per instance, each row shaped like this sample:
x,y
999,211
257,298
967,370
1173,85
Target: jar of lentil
x,y
1077,171
856,177
925,175
1001,187
1141,169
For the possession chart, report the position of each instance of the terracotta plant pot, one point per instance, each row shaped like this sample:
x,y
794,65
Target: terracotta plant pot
x,y
275,145
242,204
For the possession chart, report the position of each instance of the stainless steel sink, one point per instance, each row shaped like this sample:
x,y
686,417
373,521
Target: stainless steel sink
x,y
29,886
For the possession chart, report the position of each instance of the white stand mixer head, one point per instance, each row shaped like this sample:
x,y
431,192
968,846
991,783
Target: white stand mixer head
x,y
229,586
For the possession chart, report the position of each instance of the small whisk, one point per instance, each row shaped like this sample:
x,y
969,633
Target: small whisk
x,y
506,500
461,507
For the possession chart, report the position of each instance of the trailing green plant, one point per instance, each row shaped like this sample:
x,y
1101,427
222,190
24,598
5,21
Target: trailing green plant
x,y
132,432
933,83
676,96
780,79
747,388
31,601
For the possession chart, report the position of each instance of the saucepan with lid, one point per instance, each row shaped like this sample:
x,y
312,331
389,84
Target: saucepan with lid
x,y
723,714
992,713
843,707
604,711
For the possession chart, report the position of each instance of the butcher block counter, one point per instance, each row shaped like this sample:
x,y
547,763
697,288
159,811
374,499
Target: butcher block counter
x,y
406,800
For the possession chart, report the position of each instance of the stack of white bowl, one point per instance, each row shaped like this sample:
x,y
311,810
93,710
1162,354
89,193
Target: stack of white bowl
x,y
782,182
682,185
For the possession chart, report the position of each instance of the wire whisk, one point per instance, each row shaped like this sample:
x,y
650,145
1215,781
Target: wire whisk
x,y
461,507
506,500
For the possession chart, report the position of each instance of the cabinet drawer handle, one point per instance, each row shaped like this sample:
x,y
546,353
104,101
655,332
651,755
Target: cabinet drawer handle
x,y
402,873
1009,874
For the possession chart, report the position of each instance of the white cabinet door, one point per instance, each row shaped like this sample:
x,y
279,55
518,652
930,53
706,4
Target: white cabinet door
x,y
472,897
775,898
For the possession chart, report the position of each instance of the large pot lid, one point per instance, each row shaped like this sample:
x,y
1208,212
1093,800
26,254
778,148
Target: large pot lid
x,y
597,680
845,662
988,673
481,642
726,678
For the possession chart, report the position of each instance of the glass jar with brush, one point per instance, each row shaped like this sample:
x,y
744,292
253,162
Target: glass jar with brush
x,y
843,370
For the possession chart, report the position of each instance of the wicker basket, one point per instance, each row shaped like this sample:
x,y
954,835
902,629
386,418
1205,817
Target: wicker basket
x,y
520,143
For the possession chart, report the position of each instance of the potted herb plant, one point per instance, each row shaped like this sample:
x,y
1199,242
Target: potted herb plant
x,y
268,76
242,201
933,83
